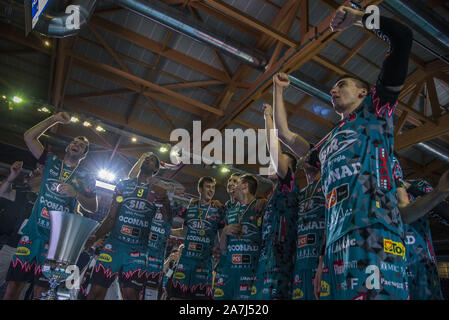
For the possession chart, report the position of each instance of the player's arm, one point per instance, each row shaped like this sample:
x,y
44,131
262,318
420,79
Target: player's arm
x,y
108,222
426,203
134,172
5,188
181,232
319,271
32,135
279,161
88,203
398,36
292,140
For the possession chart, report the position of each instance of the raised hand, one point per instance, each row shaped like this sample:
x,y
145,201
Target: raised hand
x,y
281,80
66,189
345,17
15,170
62,117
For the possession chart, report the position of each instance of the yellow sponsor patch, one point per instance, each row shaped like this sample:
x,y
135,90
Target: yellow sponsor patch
x,y
253,290
179,275
377,204
259,221
325,289
218,293
22,251
297,294
395,248
104,257
119,199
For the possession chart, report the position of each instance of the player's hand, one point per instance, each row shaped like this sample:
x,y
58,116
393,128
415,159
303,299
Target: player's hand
x,y
194,201
66,189
345,17
145,155
216,204
443,184
281,80
15,170
234,230
62,117
267,110
260,205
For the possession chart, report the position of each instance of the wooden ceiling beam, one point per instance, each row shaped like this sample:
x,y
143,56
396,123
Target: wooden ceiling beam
x,y
157,47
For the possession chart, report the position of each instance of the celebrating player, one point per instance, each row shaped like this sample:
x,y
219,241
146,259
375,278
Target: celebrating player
x,y
125,250
65,184
277,253
192,278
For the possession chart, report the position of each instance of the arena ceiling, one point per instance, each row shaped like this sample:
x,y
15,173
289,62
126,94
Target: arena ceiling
x,y
138,78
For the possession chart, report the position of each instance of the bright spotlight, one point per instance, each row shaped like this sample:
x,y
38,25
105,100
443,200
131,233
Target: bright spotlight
x,y
100,129
87,124
74,119
163,149
17,99
134,139
224,170
106,175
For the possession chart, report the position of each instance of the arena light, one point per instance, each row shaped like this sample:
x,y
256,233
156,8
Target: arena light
x,y
17,99
74,119
224,170
100,129
106,175
4,97
44,109
87,124
134,139
47,43
163,149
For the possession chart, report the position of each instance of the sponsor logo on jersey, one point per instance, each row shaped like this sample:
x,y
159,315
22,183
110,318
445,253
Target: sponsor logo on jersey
x,y
108,248
244,287
25,240
45,213
134,221
325,289
198,225
306,240
312,225
104,257
395,248
383,175
297,294
241,259
179,275
137,204
337,195
360,297
218,293
342,172
193,246
22,251
337,146
130,231
249,230
253,290
153,236
134,254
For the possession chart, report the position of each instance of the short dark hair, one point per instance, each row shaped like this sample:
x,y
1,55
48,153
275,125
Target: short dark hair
x,y
206,179
360,83
237,174
251,181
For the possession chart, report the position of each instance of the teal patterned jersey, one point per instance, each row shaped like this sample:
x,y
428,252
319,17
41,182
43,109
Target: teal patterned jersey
x,y
202,224
50,199
311,226
277,254
357,171
132,225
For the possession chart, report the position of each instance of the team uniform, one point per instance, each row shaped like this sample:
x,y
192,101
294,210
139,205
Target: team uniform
x,y
26,264
157,243
237,265
365,247
125,250
192,278
277,254
422,269
310,237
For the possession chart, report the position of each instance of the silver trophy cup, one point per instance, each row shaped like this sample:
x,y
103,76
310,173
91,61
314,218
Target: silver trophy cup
x,y
68,235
